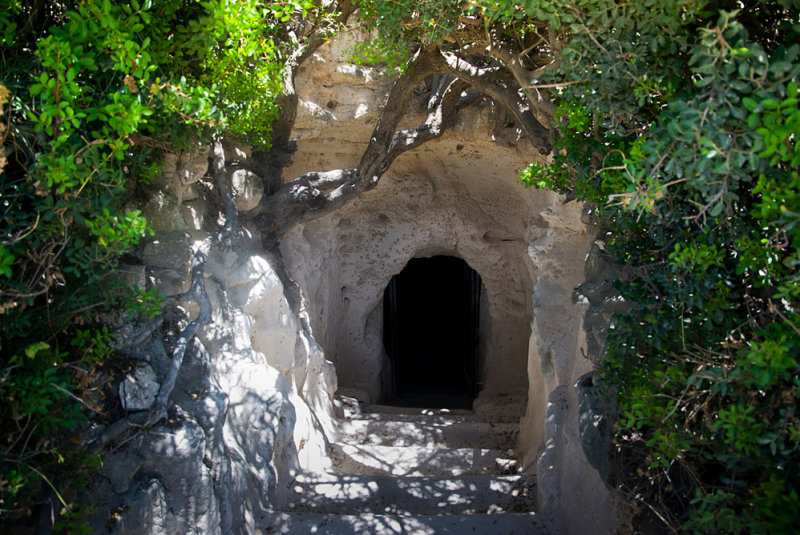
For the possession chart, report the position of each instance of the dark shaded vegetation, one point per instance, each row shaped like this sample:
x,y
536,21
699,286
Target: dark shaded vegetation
x,y
683,133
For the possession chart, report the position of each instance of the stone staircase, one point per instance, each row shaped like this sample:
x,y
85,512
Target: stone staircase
x,y
417,471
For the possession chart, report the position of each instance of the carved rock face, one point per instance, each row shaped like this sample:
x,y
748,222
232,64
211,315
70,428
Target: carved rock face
x,y
458,196
255,395
180,170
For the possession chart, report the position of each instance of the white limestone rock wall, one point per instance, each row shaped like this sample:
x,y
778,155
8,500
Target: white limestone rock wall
x,y
556,329
426,205
260,343
458,196
552,444
338,101
253,403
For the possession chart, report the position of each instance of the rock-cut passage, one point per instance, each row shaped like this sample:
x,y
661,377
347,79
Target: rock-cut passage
x,y
431,322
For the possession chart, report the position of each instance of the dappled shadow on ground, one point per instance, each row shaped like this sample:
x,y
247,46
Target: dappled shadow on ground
x,y
416,471
371,459
372,524
414,495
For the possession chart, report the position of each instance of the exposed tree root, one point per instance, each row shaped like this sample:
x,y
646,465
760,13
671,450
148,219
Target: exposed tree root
x,y
197,293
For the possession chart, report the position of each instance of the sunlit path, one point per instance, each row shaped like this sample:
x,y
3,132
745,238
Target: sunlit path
x,y
417,471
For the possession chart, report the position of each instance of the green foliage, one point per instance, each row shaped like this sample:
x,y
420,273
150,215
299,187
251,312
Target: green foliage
x,y
93,345
90,92
36,388
400,22
379,51
147,303
404,25
679,121
233,53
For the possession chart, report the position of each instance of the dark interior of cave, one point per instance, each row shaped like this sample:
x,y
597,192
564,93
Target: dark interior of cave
x,y
431,321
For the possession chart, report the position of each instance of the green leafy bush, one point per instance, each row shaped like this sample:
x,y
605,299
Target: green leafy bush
x,y
683,131
90,92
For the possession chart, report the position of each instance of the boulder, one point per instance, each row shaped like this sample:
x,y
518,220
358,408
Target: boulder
x,y
182,169
162,211
120,469
169,281
247,187
194,213
235,151
139,389
169,251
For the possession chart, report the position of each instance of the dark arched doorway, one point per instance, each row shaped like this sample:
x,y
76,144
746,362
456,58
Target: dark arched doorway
x,y
431,321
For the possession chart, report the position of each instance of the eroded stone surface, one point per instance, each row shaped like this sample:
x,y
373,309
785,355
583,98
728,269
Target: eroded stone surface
x,y
236,151
424,207
167,250
251,403
138,390
457,196
451,482
247,188
180,170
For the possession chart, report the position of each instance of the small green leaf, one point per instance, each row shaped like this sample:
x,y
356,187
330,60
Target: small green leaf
x,y
32,350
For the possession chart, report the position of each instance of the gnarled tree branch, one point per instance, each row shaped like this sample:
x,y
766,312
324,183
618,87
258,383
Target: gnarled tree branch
x,y
541,106
315,194
442,109
305,197
504,94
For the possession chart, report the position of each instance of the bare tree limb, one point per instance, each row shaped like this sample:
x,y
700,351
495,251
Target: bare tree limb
x,y
315,194
503,94
305,197
375,160
441,115
196,292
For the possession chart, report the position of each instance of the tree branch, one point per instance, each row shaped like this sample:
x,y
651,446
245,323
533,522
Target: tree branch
x,y
375,160
314,194
305,197
270,163
442,109
196,292
507,96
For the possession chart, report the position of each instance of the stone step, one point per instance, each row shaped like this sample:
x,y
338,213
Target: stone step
x,y
508,414
352,494
450,434
372,524
439,419
391,409
378,460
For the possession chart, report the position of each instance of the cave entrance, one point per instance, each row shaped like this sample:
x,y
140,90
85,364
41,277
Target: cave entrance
x,y
431,322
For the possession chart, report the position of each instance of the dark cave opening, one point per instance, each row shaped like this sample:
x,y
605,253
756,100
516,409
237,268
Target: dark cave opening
x,y
431,323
